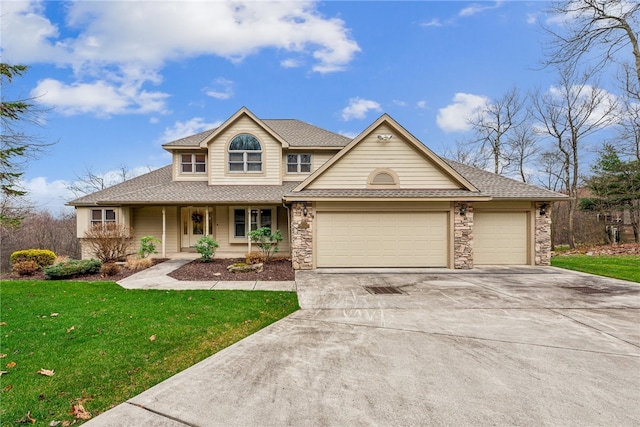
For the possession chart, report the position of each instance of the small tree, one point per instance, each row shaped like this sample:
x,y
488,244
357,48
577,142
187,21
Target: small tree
x,y
266,241
206,246
147,246
109,242
615,186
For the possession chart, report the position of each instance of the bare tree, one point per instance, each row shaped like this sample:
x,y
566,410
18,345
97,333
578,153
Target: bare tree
x,y
628,137
466,154
523,144
601,30
568,114
40,230
497,131
90,182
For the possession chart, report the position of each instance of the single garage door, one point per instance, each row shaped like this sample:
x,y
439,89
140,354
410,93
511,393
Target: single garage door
x,y
500,238
381,239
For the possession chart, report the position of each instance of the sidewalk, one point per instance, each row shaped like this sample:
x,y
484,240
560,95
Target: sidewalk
x,y
156,278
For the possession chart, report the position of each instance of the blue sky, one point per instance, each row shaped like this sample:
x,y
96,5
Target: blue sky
x,y
120,78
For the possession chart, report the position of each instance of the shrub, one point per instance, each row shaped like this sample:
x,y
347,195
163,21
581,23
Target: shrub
x,y
147,246
266,241
206,246
25,268
254,257
110,269
42,257
109,242
137,264
71,268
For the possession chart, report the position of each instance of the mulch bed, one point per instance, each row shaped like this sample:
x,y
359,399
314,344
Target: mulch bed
x,y
98,277
274,270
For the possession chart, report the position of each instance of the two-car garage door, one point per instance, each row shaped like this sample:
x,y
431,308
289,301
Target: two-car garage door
x,y
382,239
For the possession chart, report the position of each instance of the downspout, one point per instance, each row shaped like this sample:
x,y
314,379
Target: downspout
x,y
164,232
289,227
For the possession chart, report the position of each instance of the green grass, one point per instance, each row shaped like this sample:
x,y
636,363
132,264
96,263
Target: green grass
x,y
626,267
99,342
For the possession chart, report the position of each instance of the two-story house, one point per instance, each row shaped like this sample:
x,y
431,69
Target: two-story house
x,y
382,199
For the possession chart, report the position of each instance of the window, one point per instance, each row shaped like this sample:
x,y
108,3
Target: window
x,y
383,178
254,217
245,154
193,163
298,163
102,216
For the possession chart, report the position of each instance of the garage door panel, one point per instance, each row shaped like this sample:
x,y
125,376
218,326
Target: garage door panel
x,y
500,238
381,239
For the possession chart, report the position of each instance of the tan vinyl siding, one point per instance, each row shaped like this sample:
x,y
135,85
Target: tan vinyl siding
x,y
271,157
412,168
83,217
318,158
391,206
147,221
177,170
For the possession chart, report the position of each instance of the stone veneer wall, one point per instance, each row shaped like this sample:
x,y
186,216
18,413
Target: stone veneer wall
x,y
463,237
543,235
301,236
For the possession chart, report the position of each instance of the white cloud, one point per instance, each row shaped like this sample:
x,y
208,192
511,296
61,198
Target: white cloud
x,y
50,196
582,97
117,47
189,127
435,22
476,8
455,117
421,104
151,33
400,103
101,97
291,63
358,108
223,89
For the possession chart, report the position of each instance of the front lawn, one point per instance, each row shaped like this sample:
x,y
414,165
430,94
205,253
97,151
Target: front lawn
x,y
626,267
106,344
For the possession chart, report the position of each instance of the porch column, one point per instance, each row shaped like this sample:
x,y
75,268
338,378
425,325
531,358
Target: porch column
x,y
462,235
164,232
206,221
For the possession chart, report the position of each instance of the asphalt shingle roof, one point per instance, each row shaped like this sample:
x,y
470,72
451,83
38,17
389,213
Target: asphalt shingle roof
x,y
297,133
157,187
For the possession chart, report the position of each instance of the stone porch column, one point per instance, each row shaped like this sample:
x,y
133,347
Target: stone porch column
x,y
543,234
302,236
463,236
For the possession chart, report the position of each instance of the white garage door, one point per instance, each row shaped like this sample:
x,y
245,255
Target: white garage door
x,y
381,239
500,238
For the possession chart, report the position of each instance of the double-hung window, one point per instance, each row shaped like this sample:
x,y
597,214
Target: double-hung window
x,y
245,154
193,163
298,163
103,216
245,220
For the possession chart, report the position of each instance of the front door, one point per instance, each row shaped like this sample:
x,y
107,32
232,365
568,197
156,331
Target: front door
x,y
196,222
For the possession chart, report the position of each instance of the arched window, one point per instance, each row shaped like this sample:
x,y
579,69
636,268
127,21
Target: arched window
x,y
383,178
245,154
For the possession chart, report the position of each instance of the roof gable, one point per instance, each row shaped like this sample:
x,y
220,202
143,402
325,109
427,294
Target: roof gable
x,y
386,146
241,113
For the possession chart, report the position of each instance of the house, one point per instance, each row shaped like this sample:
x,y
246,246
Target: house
x,y
382,199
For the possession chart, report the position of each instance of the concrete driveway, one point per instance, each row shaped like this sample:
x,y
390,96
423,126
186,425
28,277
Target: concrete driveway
x,y
492,346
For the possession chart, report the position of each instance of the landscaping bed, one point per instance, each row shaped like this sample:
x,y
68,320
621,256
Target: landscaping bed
x,y
274,270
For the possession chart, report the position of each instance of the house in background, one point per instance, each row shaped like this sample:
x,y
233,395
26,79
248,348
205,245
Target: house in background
x,y
382,199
